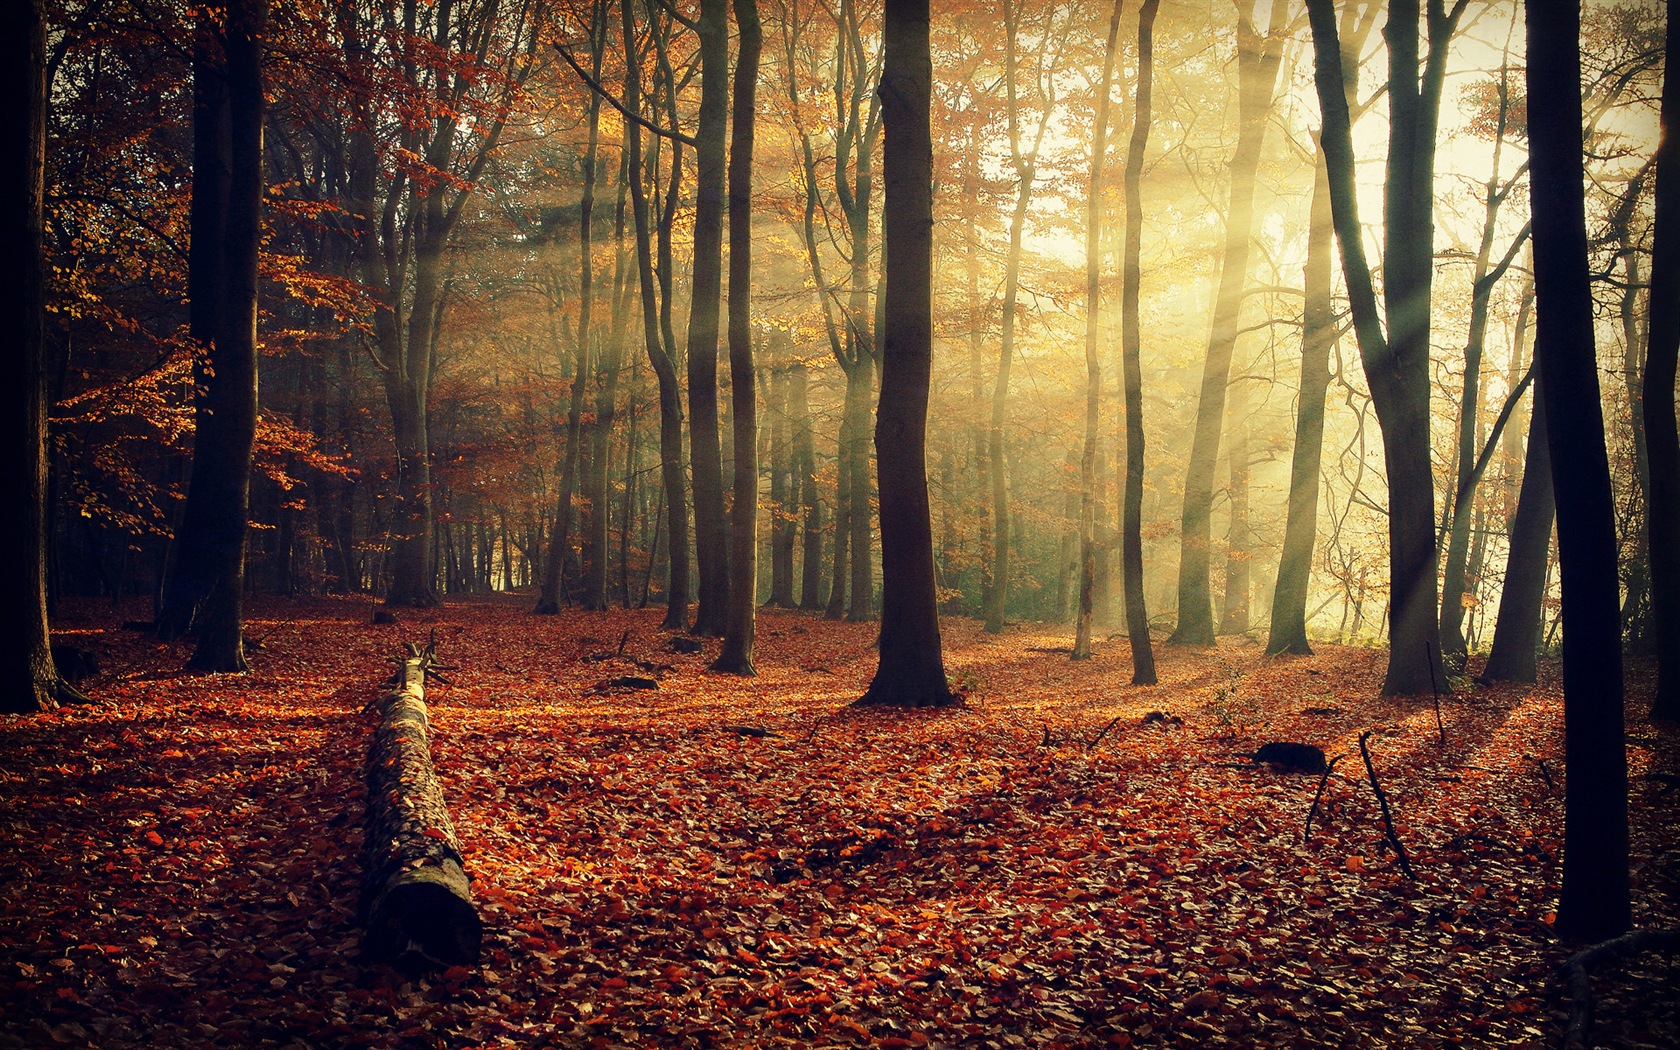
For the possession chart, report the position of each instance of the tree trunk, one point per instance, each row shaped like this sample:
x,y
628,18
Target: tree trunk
x,y
737,654
784,484
1093,351
1288,633
912,668
711,532
1234,602
1131,342
1257,65
1516,631
805,460
1662,440
1396,363
1595,901
860,384
416,902
659,342
31,680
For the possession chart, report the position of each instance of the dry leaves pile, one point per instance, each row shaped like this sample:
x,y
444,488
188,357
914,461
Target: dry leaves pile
x,y
179,866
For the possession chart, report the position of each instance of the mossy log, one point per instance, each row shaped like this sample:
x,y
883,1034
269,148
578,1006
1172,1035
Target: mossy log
x,y
416,903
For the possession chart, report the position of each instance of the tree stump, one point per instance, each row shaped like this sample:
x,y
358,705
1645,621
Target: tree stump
x,y
416,905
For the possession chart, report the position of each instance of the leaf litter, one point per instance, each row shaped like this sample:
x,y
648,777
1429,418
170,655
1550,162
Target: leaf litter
x,y
722,861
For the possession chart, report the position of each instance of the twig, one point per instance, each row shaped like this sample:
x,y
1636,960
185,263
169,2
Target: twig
x,y
1047,741
752,731
1577,975
623,640
1382,801
1306,835
1545,773
1429,658
1098,738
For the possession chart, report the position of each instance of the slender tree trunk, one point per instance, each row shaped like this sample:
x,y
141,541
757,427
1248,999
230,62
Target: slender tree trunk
x,y
1595,901
660,343
1662,437
711,530
839,569
31,680
1288,632
912,668
737,654
1093,351
1234,606
784,484
1131,341
1257,65
805,460
860,385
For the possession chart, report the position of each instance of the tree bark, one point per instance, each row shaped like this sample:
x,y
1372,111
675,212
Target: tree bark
x,y
1131,342
416,902
805,463
1595,900
1257,65
911,672
659,342
1396,363
1662,436
1516,631
737,654
31,682
711,532
1093,359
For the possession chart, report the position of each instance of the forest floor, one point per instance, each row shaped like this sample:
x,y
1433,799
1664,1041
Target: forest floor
x,y
179,863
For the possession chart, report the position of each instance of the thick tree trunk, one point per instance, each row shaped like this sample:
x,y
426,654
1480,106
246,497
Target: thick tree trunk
x,y
31,681
711,531
1131,341
1662,436
1257,65
912,668
1595,900
737,654
416,902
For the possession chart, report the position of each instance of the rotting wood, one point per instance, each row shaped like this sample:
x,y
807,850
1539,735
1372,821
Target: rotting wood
x,y
416,902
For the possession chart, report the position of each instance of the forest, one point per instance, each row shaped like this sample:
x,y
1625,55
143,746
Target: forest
x,y
827,523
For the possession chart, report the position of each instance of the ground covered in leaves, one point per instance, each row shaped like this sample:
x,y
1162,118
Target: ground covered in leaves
x,y
179,865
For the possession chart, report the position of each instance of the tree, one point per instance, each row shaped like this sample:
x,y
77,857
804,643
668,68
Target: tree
x,y
1396,361
1595,903
1516,631
31,682
1131,343
711,533
657,332
1093,358
912,668
737,654
1025,165
205,587
1258,60
1288,632
420,136
1662,516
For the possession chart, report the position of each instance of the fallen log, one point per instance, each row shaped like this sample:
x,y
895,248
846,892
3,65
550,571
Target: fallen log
x,y
416,904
